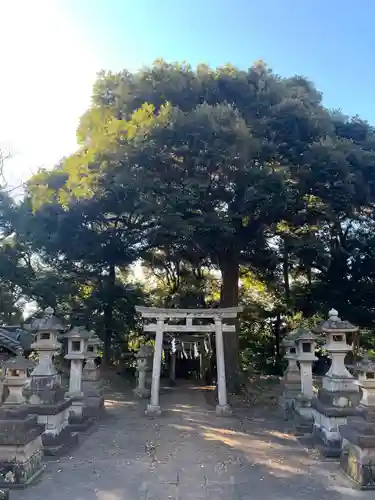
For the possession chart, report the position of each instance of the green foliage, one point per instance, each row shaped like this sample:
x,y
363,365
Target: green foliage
x,y
197,172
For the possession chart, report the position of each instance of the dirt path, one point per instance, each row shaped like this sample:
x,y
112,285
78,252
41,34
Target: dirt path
x,y
189,454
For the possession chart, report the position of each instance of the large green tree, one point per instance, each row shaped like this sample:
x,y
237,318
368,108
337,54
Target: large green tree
x,y
82,246
236,167
219,155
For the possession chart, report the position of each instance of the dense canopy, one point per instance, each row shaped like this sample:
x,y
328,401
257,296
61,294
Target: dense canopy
x,y
225,185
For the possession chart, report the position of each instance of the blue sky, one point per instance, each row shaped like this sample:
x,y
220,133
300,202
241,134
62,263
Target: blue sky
x,y
330,41
52,61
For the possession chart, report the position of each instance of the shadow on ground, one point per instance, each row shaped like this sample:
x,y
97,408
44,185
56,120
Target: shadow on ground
x,y
189,454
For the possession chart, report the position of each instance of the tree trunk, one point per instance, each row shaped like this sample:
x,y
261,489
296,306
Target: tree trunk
x,y
230,272
277,343
286,273
108,316
309,276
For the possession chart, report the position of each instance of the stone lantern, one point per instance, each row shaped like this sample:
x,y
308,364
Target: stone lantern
x,y
339,396
306,356
144,368
91,383
77,344
44,378
77,339
90,370
16,378
358,435
292,376
336,345
365,371
305,341
21,448
47,398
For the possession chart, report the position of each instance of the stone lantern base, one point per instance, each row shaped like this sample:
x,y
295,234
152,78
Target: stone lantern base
x,y
328,420
57,437
358,451
21,449
93,398
79,421
291,387
303,415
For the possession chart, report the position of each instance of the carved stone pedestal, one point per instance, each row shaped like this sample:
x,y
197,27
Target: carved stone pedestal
x,y
58,436
358,453
21,449
79,420
93,393
338,399
303,415
358,435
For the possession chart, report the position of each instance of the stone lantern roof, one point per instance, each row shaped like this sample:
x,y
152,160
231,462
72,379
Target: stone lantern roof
x,y
302,333
144,351
18,363
94,339
286,342
289,339
47,323
78,333
335,324
365,365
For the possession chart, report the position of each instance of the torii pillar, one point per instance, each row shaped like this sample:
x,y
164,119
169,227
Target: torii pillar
x,y
222,408
154,407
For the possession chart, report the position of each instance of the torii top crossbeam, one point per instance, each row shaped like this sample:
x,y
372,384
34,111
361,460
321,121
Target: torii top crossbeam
x,y
160,312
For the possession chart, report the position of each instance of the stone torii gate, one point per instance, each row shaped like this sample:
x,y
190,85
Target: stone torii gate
x,y
188,315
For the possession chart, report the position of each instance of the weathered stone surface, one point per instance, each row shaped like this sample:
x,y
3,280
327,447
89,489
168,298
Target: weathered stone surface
x,y
80,424
17,427
94,406
58,444
21,448
339,398
328,444
22,469
358,462
50,409
361,434
333,411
